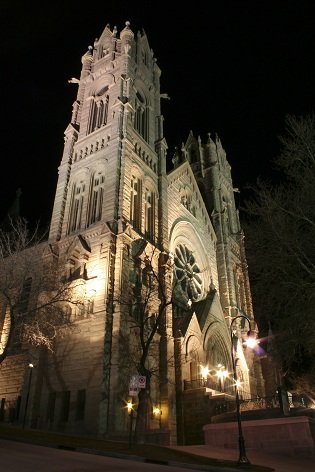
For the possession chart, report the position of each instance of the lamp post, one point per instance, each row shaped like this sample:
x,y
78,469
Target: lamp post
x,y
130,413
28,391
243,461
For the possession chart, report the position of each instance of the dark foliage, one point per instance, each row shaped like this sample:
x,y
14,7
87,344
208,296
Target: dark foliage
x,y
279,224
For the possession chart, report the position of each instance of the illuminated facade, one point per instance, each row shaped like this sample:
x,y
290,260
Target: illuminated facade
x,y
116,205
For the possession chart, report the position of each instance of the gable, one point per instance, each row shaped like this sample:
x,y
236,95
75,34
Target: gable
x,y
203,314
184,194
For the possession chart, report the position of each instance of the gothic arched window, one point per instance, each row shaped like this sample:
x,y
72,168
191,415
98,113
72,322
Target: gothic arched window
x,y
149,217
135,202
92,116
141,122
96,199
77,199
98,112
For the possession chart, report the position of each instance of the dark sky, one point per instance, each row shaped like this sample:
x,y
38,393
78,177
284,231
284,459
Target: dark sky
x,y
231,67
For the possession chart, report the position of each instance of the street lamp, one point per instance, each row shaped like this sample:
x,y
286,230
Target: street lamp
x,y
28,391
130,410
251,342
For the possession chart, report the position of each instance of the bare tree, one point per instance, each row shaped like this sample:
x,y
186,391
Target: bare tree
x,y
279,224
33,292
145,302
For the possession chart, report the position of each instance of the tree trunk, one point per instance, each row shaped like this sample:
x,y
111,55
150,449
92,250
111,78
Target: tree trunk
x,y
142,414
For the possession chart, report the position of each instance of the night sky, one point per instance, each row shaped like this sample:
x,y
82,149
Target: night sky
x,y
235,68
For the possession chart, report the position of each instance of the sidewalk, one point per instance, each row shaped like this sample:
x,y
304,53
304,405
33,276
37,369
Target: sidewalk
x,y
280,463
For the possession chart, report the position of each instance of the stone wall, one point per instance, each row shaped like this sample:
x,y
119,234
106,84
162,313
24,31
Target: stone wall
x,y
289,435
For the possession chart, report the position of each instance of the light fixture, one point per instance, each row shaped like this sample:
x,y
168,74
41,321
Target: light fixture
x,y
222,374
129,406
204,373
250,342
130,409
157,411
238,383
30,365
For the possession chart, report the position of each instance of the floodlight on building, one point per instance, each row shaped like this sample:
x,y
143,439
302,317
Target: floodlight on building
x,y
157,413
222,374
204,373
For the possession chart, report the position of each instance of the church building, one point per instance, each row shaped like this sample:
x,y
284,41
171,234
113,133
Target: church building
x,y
161,256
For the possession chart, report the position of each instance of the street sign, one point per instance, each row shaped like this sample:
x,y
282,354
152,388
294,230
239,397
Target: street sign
x,y
133,386
136,382
141,381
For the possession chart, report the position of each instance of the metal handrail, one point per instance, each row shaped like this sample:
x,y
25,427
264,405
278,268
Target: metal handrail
x,y
261,403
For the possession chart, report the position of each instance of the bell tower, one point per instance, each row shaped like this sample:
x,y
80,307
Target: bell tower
x,y
112,192
116,128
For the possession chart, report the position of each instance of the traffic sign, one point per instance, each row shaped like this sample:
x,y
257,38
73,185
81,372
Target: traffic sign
x,y
141,381
137,381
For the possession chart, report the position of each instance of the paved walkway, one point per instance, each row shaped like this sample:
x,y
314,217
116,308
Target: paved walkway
x,y
280,463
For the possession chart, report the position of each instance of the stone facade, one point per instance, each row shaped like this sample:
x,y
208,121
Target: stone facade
x,y
287,436
117,207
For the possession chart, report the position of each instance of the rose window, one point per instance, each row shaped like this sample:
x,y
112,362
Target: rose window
x,y
187,272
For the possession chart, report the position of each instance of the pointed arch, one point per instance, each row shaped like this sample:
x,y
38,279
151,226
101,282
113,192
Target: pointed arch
x,y
136,199
76,258
98,113
192,355
142,114
150,196
96,197
76,206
